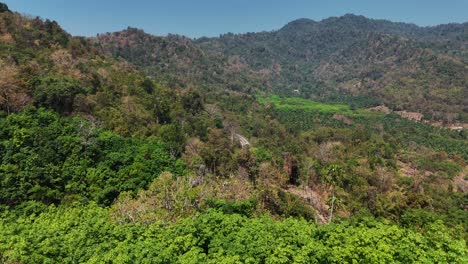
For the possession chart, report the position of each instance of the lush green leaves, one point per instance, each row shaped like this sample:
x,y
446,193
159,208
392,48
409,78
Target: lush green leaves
x,y
51,159
85,234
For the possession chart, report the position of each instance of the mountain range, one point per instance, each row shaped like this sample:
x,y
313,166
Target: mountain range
x,y
349,59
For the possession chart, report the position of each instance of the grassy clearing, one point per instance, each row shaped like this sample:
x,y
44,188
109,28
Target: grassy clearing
x,y
296,103
289,104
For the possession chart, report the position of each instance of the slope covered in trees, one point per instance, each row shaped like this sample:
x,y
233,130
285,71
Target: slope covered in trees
x,y
400,65
338,59
125,148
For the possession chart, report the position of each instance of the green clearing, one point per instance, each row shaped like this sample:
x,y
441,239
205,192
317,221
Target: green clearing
x,y
296,103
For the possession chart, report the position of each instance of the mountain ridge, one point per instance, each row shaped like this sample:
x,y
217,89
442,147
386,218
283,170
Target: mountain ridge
x,y
292,59
310,21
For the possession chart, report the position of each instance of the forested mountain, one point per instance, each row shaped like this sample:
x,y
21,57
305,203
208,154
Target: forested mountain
x,y
348,59
133,148
177,62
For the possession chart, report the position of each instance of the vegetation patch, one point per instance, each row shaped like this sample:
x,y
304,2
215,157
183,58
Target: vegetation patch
x,y
297,103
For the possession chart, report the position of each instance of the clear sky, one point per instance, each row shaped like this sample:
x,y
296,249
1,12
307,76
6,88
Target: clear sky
x,y
195,18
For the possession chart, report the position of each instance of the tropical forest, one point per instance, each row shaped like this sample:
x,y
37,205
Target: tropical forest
x,y
342,140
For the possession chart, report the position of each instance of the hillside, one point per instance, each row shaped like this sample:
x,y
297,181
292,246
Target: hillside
x,y
348,59
130,147
400,65
177,62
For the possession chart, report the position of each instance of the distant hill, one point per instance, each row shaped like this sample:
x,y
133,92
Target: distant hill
x,y
402,65
177,61
350,59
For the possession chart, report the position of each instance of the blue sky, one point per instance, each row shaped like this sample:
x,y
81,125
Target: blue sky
x,y
195,18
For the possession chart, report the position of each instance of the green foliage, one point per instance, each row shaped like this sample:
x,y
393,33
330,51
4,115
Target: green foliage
x,y
261,154
245,208
296,103
307,115
286,204
57,93
148,86
450,168
173,137
85,234
51,159
440,139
